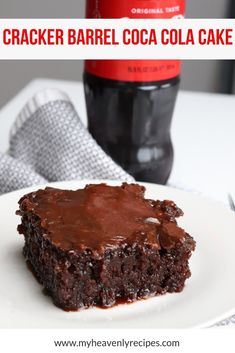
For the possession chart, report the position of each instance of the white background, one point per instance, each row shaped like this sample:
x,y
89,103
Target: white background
x,y
121,51
193,341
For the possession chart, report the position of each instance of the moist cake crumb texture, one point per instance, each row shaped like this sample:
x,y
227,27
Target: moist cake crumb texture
x,y
102,245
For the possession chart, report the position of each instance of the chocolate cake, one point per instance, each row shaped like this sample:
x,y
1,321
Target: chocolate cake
x,y
102,245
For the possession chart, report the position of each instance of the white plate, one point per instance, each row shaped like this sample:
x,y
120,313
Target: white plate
x,y
207,298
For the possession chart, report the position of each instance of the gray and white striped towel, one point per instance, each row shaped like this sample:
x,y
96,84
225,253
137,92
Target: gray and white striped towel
x,y
48,142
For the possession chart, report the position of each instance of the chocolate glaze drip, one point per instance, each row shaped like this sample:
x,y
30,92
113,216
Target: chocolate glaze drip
x,y
101,217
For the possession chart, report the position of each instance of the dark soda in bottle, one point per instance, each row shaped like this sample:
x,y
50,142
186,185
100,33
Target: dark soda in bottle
x,y
130,103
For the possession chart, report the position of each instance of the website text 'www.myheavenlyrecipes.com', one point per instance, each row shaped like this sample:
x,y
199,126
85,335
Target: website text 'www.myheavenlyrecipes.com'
x,y
123,343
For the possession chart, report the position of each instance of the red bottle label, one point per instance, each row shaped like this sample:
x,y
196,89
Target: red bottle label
x,y
135,70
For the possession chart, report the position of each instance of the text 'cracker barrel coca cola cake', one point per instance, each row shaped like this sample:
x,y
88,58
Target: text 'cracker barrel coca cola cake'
x,y
104,245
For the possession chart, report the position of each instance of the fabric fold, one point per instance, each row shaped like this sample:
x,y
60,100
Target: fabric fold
x,y
49,142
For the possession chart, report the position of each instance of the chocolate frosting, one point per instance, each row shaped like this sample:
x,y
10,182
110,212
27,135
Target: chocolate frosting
x,y
101,217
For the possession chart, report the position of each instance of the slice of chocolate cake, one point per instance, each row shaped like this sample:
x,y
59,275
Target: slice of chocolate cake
x,y
104,244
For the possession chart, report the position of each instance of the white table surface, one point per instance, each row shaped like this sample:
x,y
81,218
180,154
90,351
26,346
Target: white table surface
x,y
203,133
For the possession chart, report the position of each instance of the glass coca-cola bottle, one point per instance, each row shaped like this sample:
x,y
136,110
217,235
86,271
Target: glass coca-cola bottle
x,y
130,103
